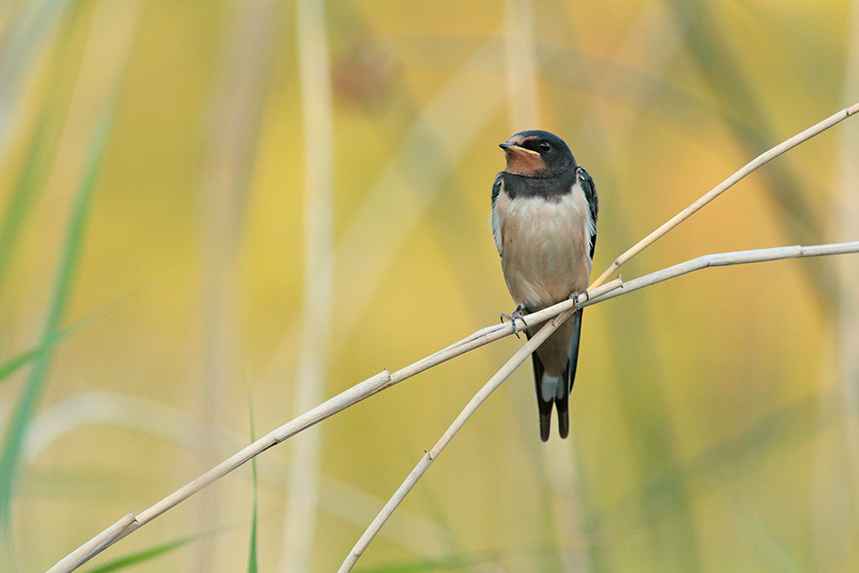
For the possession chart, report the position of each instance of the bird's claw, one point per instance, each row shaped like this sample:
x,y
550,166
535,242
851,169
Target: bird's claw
x,y
513,317
579,297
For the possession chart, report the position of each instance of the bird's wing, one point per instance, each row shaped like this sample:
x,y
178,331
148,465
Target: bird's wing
x,y
593,204
573,358
496,222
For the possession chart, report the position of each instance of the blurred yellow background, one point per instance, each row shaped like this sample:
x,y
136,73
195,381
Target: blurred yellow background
x,y
218,211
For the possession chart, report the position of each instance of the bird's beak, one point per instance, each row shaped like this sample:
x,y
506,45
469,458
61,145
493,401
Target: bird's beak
x,y
513,148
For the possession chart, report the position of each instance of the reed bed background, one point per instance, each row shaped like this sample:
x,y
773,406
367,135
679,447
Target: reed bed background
x,y
205,202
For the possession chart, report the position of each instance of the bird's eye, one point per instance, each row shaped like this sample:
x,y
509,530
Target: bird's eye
x,y
545,146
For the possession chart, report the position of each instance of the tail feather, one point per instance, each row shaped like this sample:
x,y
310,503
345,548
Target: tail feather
x,y
545,418
544,407
562,403
563,406
574,350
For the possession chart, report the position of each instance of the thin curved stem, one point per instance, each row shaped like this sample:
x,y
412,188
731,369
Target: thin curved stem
x,y
724,186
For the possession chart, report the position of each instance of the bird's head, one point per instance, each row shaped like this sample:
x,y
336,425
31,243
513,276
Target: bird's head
x,y
537,153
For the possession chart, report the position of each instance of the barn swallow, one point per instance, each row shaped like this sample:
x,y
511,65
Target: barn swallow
x,y
544,219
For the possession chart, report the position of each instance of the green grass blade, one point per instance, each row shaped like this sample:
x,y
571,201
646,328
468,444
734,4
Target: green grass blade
x,y
144,555
33,386
33,30
252,558
425,566
29,181
11,365
150,553
19,360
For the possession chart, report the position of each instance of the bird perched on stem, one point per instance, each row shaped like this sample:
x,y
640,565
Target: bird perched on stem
x,y
544,219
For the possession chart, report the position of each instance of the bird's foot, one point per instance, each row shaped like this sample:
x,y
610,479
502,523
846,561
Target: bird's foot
x,y
579,297
513,317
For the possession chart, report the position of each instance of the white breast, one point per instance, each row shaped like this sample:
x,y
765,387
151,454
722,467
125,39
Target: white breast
x,y
544,246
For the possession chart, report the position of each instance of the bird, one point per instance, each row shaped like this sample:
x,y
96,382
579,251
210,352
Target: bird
x,y
544,221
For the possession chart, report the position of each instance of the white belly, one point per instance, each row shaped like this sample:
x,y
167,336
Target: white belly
x,y
544,246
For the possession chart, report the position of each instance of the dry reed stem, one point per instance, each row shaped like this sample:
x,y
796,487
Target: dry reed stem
x,y
484,336
677,270
314,356
94,546
445,439
512,364
724,186
598,295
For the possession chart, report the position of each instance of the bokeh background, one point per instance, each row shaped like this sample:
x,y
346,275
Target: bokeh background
x,y
215,215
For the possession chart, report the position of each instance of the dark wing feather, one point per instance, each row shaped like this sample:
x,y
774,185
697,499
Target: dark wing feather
x,y
496,187
573,358
562,404
593,202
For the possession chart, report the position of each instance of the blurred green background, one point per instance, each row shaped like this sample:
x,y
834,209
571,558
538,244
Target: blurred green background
x,y
213,207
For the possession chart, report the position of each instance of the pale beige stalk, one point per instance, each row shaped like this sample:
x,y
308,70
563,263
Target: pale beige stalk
x,y
605,292
384,379
302,491
520,356
724,186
